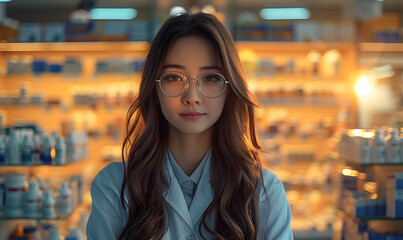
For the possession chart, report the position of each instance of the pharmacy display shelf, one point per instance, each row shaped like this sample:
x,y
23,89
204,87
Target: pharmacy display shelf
x,y
313,235
377,54
370,219
293,46
355,163
380,47
39,219
80,207
74,47
36,165
303,103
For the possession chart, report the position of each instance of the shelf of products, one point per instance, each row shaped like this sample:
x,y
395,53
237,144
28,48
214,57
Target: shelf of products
x,y
59,88
306,95
369,182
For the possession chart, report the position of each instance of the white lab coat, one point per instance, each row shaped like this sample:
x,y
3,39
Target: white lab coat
x,y
108,217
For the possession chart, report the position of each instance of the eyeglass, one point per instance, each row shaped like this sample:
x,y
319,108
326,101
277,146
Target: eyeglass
x,y
174,84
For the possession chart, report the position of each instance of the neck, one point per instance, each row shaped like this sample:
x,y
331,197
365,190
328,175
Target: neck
x,y
188,150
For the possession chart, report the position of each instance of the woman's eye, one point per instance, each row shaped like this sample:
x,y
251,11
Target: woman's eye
x,y
174,78
212,79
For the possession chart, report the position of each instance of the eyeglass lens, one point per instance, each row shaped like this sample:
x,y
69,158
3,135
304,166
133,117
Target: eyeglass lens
x,y
174,84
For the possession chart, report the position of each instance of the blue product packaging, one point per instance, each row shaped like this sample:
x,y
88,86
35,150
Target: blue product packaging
x,y
360,208
46,156
380,207
395,180
38,66
55,68
2,151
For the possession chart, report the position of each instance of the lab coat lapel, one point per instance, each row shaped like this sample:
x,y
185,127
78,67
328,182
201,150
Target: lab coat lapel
x,y
203,195
174,195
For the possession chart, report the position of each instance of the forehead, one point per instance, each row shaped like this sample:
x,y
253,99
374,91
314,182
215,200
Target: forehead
x,y
192,50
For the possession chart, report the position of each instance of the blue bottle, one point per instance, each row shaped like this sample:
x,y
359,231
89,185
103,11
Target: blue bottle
x,y
46,157
2,151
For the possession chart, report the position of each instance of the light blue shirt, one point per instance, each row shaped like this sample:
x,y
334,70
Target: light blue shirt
x,y
188,183
108,217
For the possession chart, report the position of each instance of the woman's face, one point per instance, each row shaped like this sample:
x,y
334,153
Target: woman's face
x,y
191,112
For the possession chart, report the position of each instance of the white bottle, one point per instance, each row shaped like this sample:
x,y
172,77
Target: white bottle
x,y
393,147
35,152
15,188
64,201
13,149
26,151
60,151
32,201
71,148
378,148
54,234
365,151
48,205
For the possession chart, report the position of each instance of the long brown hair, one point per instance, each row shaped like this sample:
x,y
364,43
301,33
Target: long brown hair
x,y
236,164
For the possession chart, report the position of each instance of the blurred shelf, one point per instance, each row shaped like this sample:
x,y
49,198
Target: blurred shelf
x,y
275,46
352,162
5,218
368,219
74,47
79,162
301,104
380,47
312,235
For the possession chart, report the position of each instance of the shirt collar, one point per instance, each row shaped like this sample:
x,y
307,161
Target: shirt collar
x,y
181,175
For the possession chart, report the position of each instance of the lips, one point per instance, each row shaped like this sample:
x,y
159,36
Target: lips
x,y
192,115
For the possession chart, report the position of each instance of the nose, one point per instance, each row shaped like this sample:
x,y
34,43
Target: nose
x,y
192,94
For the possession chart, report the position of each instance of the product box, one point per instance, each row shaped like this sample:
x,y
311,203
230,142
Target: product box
x,y
395,180
30,32
54,32
306,31
139,30
114,31
394,203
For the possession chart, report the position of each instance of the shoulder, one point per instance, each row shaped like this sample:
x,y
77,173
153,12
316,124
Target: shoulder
x,y
112,169
271,186
275,212
270,180
110,177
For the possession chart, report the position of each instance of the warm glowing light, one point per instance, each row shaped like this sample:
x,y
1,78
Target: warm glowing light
x,y
357,132
370,187
362,87
346,172
209,9
367,134
53,153
362,176
354,173
374,196
177,10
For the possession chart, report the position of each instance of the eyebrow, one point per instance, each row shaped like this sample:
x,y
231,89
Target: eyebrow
x,y
213,67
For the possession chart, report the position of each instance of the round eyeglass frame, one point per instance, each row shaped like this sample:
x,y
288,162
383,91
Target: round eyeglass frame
x,y
187,83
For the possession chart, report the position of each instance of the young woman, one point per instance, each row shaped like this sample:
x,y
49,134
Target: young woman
x,y
191,164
